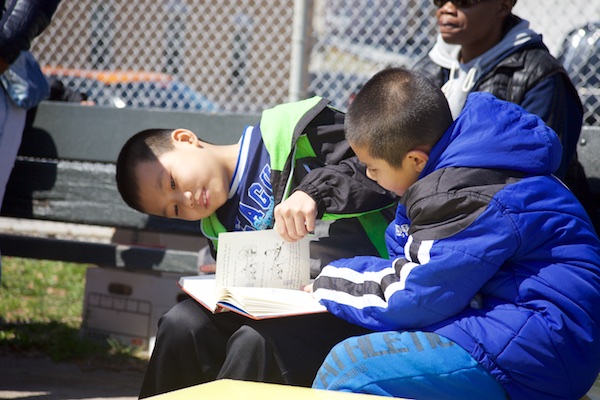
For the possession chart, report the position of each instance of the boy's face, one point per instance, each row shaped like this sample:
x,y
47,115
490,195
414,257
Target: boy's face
x,y
396,180
189,182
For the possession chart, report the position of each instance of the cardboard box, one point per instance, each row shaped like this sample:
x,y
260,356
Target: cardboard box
x,y
127,305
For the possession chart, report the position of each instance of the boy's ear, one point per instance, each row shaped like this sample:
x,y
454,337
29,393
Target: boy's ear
x,y
417,159
184,136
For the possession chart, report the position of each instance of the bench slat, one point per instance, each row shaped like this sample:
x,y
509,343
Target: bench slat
x,y
78,192
92,133
102,254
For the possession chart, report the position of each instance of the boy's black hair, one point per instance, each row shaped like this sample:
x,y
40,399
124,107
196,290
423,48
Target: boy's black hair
x,y
144,146
396,111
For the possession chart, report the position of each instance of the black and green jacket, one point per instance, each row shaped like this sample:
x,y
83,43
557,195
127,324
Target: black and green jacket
x,y
300,138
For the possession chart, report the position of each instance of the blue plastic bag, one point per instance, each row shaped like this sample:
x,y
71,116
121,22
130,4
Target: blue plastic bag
x,y
25,82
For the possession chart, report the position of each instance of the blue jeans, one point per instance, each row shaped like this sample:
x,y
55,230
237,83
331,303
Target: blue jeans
x,y
419,365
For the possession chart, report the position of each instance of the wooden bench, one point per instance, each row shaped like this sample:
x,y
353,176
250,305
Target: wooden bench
x,y
65,172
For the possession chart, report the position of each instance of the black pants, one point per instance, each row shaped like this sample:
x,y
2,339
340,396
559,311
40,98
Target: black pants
x,y
194,346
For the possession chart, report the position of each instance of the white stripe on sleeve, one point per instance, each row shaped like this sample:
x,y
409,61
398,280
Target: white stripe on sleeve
x,y
424,254
409,241
355,276
369,300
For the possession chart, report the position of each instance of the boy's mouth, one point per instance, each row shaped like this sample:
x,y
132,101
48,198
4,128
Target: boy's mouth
x,y
204,198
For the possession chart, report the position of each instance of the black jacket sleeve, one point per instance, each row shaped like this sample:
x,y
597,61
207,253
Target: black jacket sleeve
x,y
345,189
340,185
21,22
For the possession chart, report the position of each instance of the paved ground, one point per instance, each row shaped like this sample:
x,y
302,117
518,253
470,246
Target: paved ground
x,y
36,378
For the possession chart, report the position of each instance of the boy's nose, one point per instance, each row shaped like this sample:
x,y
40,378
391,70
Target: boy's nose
x,y
189,199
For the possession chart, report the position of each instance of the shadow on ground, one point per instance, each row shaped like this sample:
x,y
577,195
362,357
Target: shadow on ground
x,y
48,361
37,377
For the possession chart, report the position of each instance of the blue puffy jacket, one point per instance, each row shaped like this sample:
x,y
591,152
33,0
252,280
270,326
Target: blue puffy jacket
x,y
487,220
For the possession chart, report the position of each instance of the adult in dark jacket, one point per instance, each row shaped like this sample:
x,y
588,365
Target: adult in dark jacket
x,y
483,47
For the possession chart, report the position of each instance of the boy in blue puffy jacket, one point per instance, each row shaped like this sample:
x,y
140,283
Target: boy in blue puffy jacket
x,y
493,283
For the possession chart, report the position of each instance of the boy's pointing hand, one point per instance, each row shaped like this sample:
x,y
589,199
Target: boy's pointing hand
x,y
295,217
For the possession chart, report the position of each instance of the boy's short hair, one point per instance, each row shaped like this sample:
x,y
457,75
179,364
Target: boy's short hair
x,y
396,111
144,146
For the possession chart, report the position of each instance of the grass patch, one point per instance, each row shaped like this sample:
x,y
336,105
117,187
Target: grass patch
x,y
41,306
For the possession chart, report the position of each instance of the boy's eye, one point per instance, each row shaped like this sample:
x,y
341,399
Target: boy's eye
x,y
172,183
176,209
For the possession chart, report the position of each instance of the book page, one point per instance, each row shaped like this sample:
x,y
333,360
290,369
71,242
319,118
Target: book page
x,y
252,302
269,301
202,288
262,259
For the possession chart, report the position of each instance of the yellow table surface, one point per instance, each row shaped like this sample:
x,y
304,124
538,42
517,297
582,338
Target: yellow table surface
x,y
227,389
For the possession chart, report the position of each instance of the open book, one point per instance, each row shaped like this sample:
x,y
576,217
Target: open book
x,y
258,275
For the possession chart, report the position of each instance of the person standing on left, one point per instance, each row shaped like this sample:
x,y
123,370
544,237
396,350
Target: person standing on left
x,y
22,83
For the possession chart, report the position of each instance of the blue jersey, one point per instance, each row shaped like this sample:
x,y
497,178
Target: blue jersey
x,y
251,203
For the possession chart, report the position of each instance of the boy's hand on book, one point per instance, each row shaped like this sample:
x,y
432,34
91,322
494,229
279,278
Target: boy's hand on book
x,y
207,268
295,217
308,288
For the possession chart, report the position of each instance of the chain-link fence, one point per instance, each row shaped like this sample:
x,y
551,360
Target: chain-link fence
x,y
242,56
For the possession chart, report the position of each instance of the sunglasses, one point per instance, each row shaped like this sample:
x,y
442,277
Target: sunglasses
x,y
458,3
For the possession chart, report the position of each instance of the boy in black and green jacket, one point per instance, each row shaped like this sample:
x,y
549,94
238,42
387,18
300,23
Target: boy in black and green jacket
x,y
297,152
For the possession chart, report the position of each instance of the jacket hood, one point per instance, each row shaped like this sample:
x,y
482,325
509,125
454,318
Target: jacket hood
x,y
496,134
